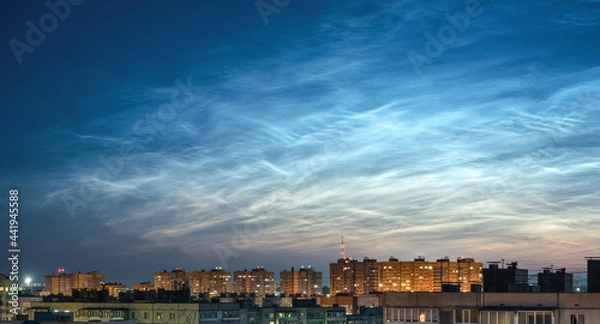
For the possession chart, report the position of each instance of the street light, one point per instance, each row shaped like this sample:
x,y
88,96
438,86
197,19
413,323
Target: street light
x,y
27,283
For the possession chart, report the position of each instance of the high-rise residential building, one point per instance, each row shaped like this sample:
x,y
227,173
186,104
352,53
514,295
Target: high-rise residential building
x,y
593,274
511,279
558,281
366,277
258,282
170,281
342,276
465,273
288,281
64,283
389,277
220,282
419,275
305,282
311,282
198,282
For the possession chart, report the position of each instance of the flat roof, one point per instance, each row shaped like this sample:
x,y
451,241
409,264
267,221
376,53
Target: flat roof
x,y
517,308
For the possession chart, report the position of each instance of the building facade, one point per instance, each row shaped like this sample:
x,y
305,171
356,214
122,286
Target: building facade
x,y
170,281
491,308
236,313
6,293
593,274
220,282
398,308
198,282
555,281
349,276
306,282
225,313
258,282
64,283
141,313
510,279
143,286
114,289
302,315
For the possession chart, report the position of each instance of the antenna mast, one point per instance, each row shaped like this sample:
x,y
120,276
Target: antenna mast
x,y
342,247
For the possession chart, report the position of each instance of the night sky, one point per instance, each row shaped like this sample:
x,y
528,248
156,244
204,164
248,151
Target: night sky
x,y
149,135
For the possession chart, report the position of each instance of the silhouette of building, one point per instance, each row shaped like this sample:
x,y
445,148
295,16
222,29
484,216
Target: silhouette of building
x,y
511,279
593,274
558,281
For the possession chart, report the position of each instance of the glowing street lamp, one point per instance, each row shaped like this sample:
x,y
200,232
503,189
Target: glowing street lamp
x,y
27,283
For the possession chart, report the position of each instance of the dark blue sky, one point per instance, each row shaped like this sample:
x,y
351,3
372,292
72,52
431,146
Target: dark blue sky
x,y
147,135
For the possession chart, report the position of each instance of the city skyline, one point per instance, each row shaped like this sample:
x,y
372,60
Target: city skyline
x,y
155,135
580,274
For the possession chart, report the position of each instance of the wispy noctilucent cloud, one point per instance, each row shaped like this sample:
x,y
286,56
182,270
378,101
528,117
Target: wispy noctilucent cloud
x,y
147,135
